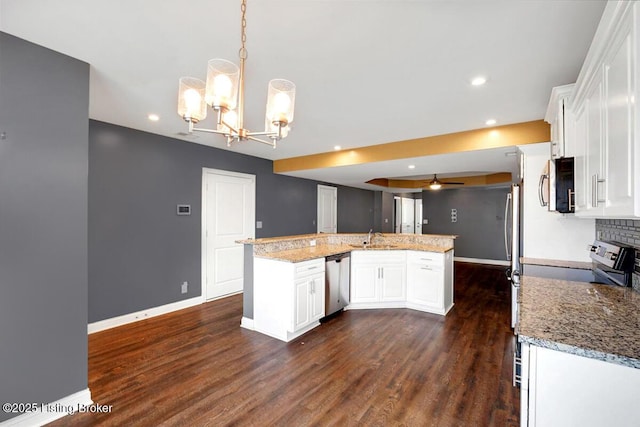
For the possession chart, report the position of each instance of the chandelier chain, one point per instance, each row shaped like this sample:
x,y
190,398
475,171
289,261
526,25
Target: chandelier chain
x,y
243,50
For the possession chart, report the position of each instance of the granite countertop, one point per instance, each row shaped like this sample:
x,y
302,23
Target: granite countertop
x,y
591,320
267,240
280,239
556,263
321,251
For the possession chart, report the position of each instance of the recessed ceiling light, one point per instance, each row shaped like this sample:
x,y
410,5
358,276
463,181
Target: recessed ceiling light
x,y
479,81
153,117
412,166
490,122
337,148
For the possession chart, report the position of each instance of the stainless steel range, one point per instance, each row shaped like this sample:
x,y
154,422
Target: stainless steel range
x,y
613,262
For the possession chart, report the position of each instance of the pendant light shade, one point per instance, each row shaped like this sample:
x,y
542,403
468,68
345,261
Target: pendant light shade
x,y
222,84
191,99
281,99
224,93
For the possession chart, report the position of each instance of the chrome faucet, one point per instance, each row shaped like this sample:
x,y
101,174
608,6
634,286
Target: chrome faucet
x,y
369,237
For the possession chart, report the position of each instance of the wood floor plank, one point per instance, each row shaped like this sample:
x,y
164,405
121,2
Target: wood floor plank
x,y
197,367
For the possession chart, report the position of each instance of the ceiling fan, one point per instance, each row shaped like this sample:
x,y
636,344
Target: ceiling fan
x,y
436,184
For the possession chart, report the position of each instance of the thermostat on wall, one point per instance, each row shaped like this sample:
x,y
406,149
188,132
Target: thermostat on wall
x,y
183,210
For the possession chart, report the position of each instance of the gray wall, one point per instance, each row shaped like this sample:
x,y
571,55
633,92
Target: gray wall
x,y
480,225
383,210
355,210
140,250
44,98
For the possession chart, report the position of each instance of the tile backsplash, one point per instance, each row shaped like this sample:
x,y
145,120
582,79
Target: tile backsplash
x,y
624,231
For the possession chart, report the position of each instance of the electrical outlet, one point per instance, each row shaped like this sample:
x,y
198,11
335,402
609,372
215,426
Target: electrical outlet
x,y
185,287
312,242
258,224
425,221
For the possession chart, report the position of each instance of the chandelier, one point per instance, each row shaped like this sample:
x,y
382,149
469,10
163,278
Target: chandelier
x,y
224,93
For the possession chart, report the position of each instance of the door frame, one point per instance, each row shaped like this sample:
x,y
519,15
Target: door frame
x,y
203,227
319,207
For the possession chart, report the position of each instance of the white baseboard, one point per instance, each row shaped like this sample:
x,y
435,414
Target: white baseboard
x,y
49,412
483,261
247,323
143,314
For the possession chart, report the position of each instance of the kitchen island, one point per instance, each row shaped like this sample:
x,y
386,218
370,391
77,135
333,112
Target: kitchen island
x,y
284,290
580,353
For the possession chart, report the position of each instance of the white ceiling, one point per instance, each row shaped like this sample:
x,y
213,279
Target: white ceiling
x,y
367,72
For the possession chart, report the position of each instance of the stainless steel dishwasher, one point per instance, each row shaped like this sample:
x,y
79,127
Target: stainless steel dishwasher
x,y
337,282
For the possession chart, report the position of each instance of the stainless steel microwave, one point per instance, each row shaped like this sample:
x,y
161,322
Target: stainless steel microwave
x,y
556,188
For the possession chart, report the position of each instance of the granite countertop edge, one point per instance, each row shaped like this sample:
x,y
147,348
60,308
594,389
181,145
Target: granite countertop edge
x,y
268,240
321,251
579,265
578,351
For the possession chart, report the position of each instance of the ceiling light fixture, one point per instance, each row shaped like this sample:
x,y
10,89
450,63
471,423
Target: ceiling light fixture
x,y
490,122
153,117
479,81
337,148
412,166
224,92
435,184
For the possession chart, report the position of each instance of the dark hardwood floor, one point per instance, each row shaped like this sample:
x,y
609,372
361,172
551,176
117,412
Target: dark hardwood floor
x,y
197,367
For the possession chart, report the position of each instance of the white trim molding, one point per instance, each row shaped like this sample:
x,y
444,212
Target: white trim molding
x,y
483,261
247,323
49,412
143,314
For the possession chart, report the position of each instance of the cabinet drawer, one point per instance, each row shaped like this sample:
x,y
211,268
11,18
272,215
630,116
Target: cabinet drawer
x,y
426,258
306,268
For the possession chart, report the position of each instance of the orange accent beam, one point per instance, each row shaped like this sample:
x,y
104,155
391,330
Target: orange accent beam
x,y
493,178
479,139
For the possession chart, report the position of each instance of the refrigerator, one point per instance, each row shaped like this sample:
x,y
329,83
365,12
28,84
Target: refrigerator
x,y
512,216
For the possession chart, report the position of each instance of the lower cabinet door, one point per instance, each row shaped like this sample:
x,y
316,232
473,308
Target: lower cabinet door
x,y
302,313
425,285
364,281
393,282
316,298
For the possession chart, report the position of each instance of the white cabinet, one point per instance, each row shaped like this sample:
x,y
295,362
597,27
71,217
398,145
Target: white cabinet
x,y
402,279
562,389
430,281
309,300
561,142
605,119
288,297
377,277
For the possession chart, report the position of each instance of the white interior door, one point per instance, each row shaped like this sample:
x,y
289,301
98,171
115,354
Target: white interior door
x,y
418,216
327,209
397,215
228,214
408,216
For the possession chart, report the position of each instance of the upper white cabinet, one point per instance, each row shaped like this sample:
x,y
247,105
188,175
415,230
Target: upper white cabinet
x,y
604,119
561,143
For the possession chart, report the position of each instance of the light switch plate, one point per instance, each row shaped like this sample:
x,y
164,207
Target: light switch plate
x,y
183,209
258,224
